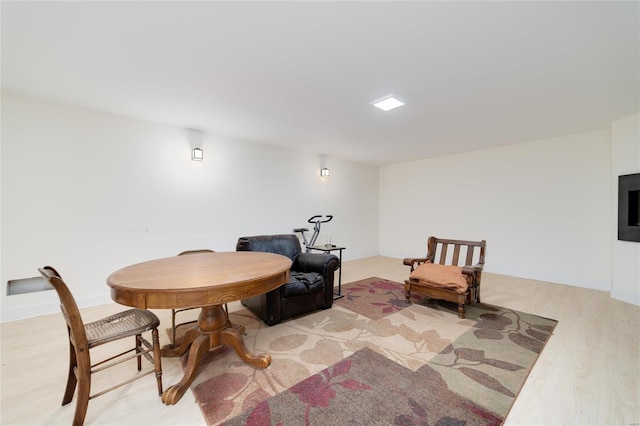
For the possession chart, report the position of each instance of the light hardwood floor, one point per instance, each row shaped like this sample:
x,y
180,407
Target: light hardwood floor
x,y
588,374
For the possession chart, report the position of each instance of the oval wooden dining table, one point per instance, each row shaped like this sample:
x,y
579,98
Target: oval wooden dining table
x,y
207,281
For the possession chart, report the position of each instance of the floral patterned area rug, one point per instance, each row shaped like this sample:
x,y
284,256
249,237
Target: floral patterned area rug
x,y
373,360
374,298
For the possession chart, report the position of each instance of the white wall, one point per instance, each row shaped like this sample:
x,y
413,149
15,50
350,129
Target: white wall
x,y
543,207
88,193
625,136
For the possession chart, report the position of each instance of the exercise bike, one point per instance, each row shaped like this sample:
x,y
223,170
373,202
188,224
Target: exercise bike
x,y
317,220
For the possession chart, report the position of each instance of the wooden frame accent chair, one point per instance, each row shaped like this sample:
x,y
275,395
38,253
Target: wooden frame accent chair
x,y
446,280
83,337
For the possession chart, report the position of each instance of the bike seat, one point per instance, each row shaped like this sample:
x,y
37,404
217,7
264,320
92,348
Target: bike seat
x,y
300,230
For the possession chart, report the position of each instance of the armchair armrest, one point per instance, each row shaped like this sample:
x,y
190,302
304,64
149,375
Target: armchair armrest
x,y
472,269
316,262
323,264
411,261
472,273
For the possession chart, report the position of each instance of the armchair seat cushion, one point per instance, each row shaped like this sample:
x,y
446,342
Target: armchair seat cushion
x,y
303,283
442,276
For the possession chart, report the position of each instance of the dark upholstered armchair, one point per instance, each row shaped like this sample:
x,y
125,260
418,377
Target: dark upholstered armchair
x,y
310,285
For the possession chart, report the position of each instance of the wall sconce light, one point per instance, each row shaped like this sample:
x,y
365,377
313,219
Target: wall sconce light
x,y
197,154
324,172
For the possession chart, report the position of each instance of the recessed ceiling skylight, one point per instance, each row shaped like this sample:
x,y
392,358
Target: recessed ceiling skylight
x,y
389,103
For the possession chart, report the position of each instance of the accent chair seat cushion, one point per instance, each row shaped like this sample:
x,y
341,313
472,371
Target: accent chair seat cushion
x,y
442,276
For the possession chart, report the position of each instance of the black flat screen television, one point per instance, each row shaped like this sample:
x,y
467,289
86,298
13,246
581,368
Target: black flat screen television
x,y
629,207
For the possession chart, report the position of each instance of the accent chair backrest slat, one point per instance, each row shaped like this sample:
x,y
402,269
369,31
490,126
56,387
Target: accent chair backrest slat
x,y
456,254
440,248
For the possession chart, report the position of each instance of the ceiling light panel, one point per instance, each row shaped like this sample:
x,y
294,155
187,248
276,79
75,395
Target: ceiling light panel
x,y
388,104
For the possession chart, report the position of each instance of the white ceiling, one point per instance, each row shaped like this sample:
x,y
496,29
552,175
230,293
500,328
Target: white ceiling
x,y
303,74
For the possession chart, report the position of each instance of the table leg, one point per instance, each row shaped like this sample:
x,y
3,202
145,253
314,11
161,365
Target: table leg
x,y
232,337
212,331
173,394
189,337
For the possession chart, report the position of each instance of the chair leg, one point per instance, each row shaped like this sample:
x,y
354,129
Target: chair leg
x,y
461,300
407,294
477,279
173,328
138,350
84,389
72,380
157,363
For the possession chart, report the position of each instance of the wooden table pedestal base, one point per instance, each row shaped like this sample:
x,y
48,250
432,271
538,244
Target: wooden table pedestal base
x,y
212,331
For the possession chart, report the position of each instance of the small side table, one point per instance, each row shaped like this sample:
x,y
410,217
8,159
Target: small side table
x,y
328,248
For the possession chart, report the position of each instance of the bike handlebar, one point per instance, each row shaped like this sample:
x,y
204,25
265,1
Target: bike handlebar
x,y
312,219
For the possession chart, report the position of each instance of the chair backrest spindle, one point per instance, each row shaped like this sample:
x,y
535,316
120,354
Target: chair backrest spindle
x,y
470,250
443,254
456,254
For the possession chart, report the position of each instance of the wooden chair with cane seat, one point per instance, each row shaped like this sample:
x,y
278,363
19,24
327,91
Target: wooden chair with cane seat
x,y
443,278
83,337
174,326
